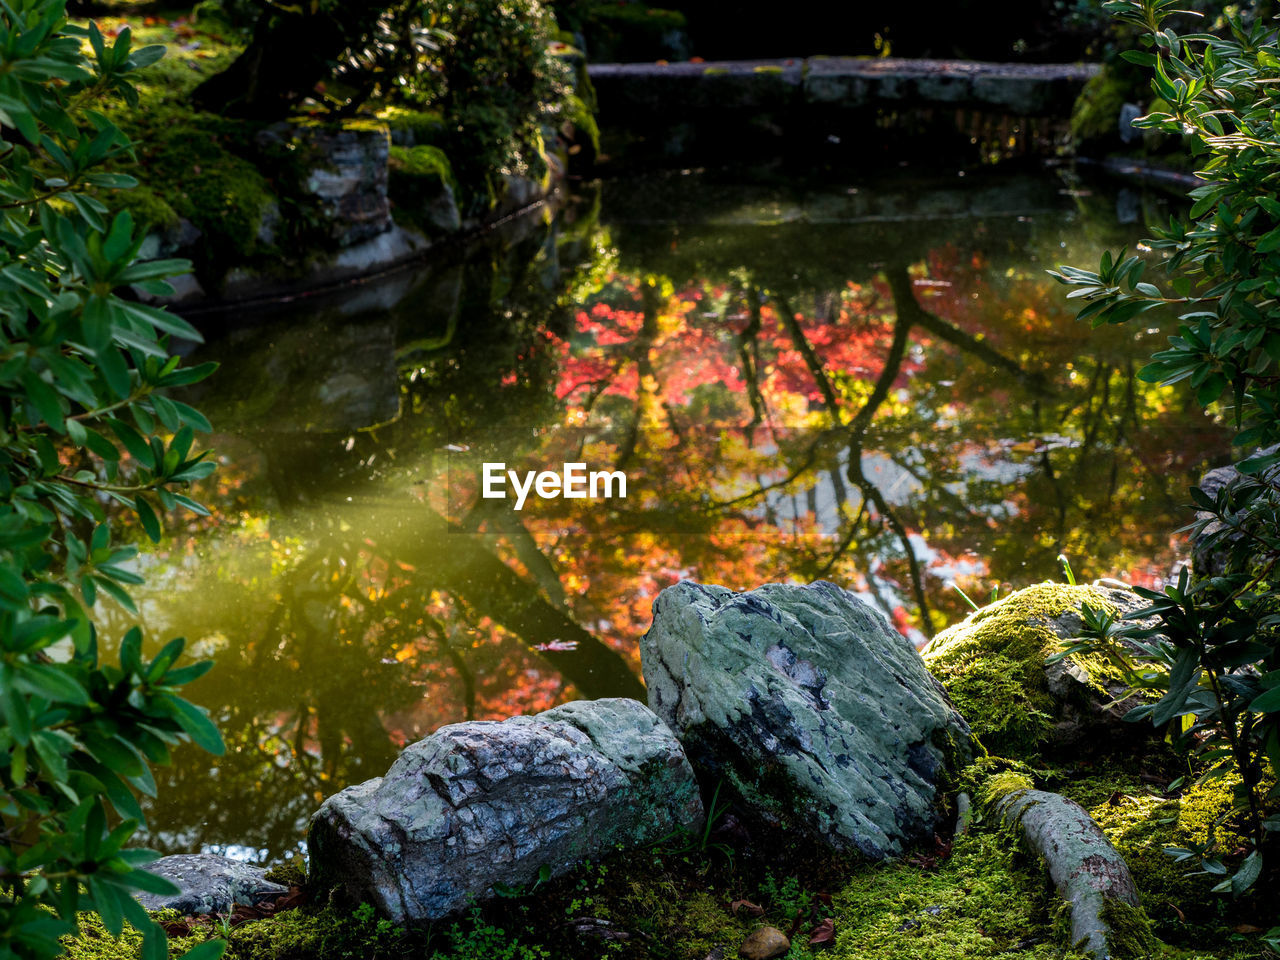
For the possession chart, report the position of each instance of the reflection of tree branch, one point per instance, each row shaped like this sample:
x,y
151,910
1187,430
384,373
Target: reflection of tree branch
x,y
844,543
464,672
451,559
762,488
937,491
811,359
916,315
906,308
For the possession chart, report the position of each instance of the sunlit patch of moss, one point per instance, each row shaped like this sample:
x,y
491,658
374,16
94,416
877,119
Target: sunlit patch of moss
x,y
979,903
1177,897
973,778
1002,702
1204,813
413,127
992,664
1001,785
93,942
423,162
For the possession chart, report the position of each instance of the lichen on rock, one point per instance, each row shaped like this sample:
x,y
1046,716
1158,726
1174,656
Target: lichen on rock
x,y
808,709
482,803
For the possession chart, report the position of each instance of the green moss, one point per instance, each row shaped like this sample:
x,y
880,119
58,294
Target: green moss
x,y
1005,702
992,665
92,941
1096,113
190,165
149,208
973,778
224,194
290,873
1001,785
417,127
423,162
1204,813
423,191
1177,897
1131,937
584,123
978,903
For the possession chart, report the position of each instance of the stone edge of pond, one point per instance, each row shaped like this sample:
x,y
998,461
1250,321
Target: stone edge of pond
x,y
397,248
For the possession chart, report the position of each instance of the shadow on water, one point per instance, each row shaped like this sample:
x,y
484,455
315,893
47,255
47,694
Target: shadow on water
x,y
872,383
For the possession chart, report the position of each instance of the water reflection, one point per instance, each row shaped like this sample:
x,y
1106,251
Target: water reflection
x,y
874,384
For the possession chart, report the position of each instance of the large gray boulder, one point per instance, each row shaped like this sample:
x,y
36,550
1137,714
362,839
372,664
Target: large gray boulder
x,y
484,803
807,706
208,883
1210,551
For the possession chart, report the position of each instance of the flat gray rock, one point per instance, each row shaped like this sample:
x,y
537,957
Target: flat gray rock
x,y
208,884
805,704
484,803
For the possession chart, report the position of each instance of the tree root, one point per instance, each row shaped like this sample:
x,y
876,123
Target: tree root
x,y
1086,870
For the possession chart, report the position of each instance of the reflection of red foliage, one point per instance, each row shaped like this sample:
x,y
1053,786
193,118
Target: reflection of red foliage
x,y
672,391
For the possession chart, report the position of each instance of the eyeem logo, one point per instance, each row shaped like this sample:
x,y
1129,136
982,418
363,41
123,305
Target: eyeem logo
x,y
573,482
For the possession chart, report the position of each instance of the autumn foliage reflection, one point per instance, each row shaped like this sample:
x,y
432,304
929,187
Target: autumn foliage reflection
x,y
939,420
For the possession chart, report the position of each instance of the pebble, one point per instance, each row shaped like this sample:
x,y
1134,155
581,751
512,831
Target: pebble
x,y
765,944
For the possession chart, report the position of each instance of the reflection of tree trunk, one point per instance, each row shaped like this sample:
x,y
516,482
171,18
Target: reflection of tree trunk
x,y
900,283
445,643
452,560
749,356
810,358
503,520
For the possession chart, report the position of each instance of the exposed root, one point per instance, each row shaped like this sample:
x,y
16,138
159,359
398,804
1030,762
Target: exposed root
x,y
1085,868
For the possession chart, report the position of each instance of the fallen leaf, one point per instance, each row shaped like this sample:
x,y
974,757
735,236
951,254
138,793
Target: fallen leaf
x,y
747,907
1246,928
824,934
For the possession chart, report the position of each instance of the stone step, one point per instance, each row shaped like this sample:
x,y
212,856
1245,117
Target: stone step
x,y
677,90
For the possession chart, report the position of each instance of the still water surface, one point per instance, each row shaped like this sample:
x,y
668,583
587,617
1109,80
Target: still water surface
x,y
869,382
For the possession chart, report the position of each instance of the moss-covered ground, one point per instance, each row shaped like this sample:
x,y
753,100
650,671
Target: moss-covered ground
x,y
976,897
971,895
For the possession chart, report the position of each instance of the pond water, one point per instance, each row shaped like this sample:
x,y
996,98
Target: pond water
x,y
871,382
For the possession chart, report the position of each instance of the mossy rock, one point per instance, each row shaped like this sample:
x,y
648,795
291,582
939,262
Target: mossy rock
x,y
993,666
1095,117
412,128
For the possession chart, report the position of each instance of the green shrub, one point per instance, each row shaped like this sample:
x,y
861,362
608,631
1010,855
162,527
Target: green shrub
x,y
85,424
1216,672
499,81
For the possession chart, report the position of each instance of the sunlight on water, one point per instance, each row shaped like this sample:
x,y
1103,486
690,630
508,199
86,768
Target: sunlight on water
x,y
872,383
